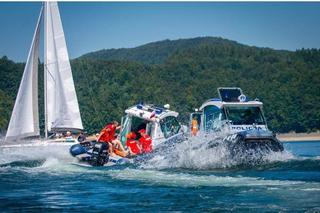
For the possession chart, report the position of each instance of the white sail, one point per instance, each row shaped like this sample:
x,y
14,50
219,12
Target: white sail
x,y
62,109
24,120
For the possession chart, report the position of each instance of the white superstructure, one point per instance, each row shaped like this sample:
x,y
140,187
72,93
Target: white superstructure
x,y
232,110
159,122
240,118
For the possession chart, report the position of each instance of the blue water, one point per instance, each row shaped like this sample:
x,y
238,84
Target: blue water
x,y
41,180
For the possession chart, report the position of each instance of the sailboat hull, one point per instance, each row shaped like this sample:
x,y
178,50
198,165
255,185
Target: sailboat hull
x,y
40,143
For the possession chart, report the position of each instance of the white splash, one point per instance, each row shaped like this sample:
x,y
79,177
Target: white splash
x,y
50,162
208,152
25,153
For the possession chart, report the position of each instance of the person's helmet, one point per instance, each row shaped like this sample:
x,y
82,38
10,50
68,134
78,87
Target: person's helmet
x,y
131,135
142,131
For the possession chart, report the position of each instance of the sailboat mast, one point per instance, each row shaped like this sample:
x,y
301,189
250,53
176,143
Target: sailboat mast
x,y
45,18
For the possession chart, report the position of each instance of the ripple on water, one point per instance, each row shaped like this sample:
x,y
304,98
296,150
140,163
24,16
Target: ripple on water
x,y
187,178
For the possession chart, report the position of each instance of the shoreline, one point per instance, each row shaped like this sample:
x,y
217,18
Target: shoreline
x,y
299,137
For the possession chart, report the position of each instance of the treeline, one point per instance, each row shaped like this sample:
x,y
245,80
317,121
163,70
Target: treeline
x,y
185,73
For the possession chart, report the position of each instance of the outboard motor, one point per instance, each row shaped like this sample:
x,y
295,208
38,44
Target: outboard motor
x,y
100,154
95,154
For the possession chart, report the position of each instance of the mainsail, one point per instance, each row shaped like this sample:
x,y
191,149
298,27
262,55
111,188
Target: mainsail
x,y
24,120
62,109
61,104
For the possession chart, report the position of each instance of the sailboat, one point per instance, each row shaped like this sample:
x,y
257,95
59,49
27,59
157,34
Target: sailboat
x,y
61,104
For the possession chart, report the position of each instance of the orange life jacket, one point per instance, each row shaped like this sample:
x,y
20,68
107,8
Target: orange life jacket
x,y
146,143
107,134
194,127
134,147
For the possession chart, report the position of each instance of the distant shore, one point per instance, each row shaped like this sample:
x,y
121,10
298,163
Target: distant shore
x,y
296,137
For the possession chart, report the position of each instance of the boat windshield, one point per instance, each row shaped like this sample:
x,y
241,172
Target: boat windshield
x,y
244,115
132,123
170,126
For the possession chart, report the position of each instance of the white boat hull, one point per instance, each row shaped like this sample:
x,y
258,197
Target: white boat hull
x,y
39,143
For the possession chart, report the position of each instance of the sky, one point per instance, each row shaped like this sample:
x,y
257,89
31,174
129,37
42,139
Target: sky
x,y
102,25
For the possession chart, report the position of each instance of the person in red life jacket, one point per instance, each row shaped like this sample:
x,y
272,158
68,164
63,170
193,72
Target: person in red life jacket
x,y
108,135
145,141
133,145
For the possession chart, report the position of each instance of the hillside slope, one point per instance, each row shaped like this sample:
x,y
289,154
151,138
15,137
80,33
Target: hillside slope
x,y
186,75
157,52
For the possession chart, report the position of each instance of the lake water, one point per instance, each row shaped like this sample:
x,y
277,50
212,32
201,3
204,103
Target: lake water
x,y
44,179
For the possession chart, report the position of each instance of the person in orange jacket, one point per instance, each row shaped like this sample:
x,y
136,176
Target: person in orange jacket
x,y
108,135
133,145
145,141
194,126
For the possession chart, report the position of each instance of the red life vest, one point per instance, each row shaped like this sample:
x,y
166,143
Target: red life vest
x,y
146,143
134,147
107,134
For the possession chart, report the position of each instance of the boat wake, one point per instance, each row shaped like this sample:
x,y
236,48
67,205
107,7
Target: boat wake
x,y
196,153
185,179
20,154
186,164
210,152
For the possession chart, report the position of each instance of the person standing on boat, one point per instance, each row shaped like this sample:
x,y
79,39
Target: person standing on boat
x,y
145,141
108,135
194,126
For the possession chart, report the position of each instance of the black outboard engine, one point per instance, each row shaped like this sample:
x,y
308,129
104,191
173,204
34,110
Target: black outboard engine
x,y
93,153
100,154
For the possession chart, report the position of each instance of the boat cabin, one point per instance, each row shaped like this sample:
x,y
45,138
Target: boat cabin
x,y
159,122
233,109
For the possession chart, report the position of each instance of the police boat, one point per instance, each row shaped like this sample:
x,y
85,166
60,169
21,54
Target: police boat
x,y
160,123
241,119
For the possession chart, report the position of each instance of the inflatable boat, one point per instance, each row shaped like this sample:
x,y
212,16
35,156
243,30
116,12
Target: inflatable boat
x,y
159,122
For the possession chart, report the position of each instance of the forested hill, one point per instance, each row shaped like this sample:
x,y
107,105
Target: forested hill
x,y
185,73
158,52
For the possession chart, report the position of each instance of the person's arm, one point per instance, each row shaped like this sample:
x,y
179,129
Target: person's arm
x,y
131,153
139,145
100,135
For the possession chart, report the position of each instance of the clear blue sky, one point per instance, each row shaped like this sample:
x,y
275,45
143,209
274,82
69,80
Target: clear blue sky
x,y
93,26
